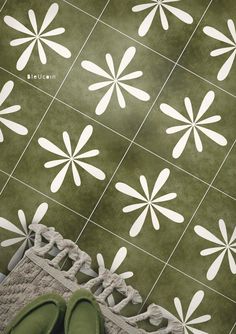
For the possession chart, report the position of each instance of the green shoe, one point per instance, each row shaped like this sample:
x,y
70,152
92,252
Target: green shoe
x,y
83,315
44,315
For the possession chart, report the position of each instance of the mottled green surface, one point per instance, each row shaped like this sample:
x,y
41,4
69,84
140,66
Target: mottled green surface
x,y
166,263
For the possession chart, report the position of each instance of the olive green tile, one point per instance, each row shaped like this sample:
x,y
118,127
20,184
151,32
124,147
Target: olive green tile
x,y
154,69
216,312
62,119
225,179
17,127
169,42
3,179
197,56
47,76
187,257
93,7
154,134
121,258
158,242
17,196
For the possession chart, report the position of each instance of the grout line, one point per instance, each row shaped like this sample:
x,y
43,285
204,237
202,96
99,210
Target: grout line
x,y
116,235
178,242
3,5
231,331
149,48
145,118
59,88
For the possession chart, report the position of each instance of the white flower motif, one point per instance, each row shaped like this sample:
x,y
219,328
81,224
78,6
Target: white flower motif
x,y
161,5
37,36
192,124
25,235
17,128
222,247
118,260
149,202
115,80
194,304
72,159
216,34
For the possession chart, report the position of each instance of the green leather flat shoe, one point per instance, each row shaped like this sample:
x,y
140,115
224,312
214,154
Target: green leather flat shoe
x,y
83,315
44,315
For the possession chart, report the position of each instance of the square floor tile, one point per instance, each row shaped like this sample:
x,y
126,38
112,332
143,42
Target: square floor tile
x,y
30,201
141,20
171,181
102,153
169,130
216,311
21,109
148,69
48,70
213,224
121,258
215,38
225,179
93,7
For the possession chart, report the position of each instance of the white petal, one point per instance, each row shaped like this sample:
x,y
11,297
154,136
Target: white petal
x,y
180,146
24,58
54,163
99,85
100,260
214,268
20,41
177,128
17,256
164,21
94,171
132,75
179,308
4,223
13,23
127,274
110,64
160,181
10,110
58,48
138,224
133,207
216,137
136,92
119,258
83,139
195,302
126,59
120,97
223,230
49,146
209,251
155,221
66,139
6,91
180,14
197,140
232,30
91,67
33,21
144,185
10,242
170,214
200,320
195,330
221,51
209,120
42,55
147,22
232,263
205,234
40,213
17,128
76,175
103,103
216,34
58,180
54,32
22,219
205,105
49,17
127,190
164,198
142,7
89,154
111,300
233,237
225,69
189,108
171,112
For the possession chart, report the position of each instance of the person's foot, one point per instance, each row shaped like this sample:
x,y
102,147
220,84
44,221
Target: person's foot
x,y
83,314
44,315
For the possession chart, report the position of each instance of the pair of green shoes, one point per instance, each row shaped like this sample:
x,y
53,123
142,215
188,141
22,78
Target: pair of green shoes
x,y
48,313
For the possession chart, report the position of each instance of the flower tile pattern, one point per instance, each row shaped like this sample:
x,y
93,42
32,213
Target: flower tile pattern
x,y
106,138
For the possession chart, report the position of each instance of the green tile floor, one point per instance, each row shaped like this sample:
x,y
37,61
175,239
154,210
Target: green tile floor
x,y
117,127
